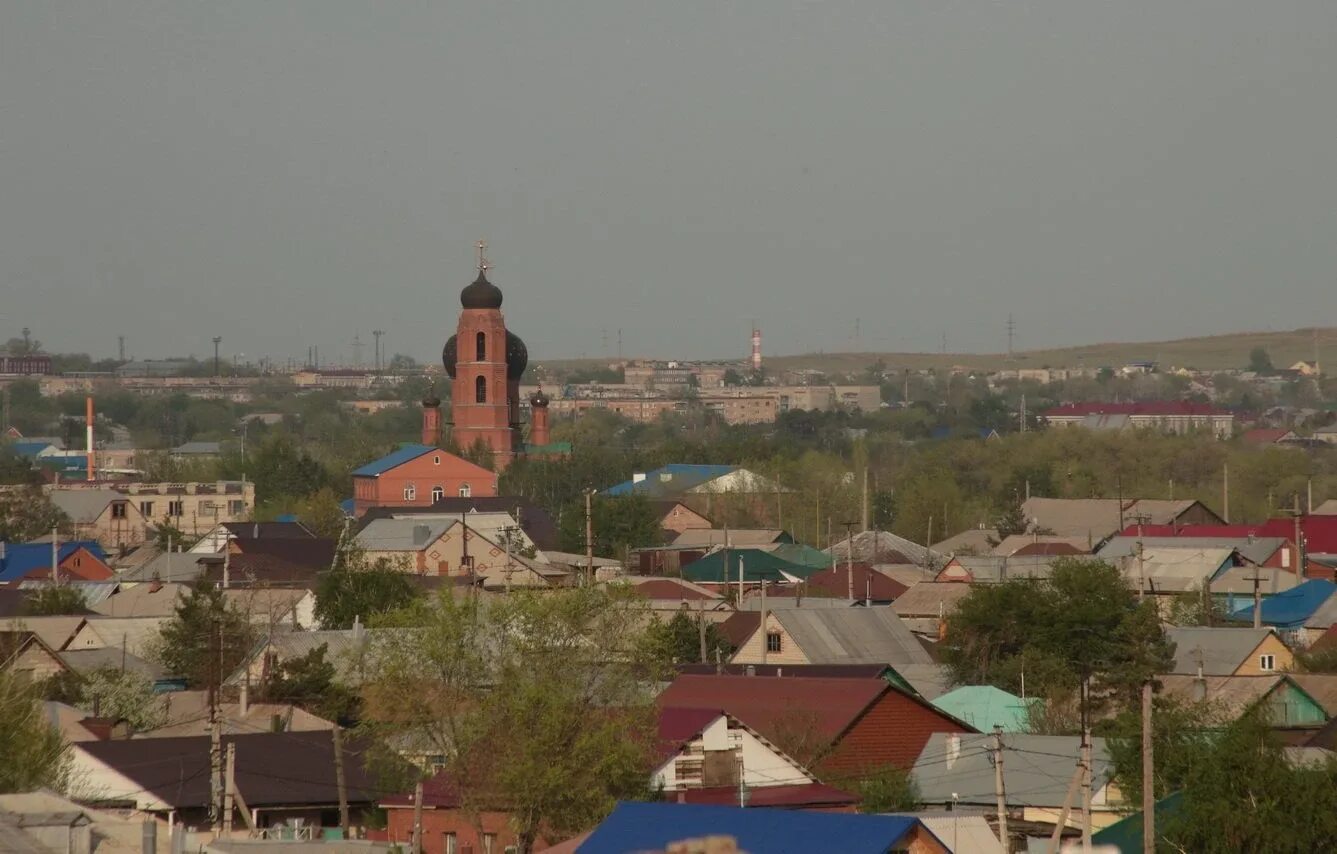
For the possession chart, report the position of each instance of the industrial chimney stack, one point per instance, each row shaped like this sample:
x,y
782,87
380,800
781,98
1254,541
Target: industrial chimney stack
x,y
756,347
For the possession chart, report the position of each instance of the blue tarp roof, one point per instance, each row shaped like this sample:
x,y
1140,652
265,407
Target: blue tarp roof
x,y
406,452
1291,608
653,826
22,558
670,479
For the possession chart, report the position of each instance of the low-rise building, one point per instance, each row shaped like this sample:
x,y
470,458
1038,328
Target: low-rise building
x,y
1165,416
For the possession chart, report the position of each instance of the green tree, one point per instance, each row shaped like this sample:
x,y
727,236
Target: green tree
x,y
168,536
1012,520
15,469
1082,620
678,641
32,752
480,454
280,468
206,639
310,681
357,589
887,789
620,523
53,600
322,514
124,696
1259,361
26,514
535,700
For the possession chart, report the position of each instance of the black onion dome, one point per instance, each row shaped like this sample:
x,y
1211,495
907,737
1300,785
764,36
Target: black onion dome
x,y
538,399
449,356
431,401
481,294
517,356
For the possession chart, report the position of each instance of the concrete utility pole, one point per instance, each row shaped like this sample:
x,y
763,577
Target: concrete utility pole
x,y
339,781
849,557
1086,769
1000,787
1148,775
417,818
864,507
227,788
1257,600
701,627
766,636
1225,493
217,340
215,728
589,536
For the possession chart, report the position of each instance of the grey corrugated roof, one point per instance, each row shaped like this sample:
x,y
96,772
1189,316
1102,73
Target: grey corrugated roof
x,y
1254,551
134,634
55,632
852,636
1099,517
1222,648
397,535
173,567
976,540
930,598
143,600
108,658
1036,768
876,547
738,537
992,569
930,680
1177,570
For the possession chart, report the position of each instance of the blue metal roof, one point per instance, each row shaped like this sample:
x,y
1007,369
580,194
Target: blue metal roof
x,y
408,451
1290,608
22,558
652,826
670,479
30,449
347,506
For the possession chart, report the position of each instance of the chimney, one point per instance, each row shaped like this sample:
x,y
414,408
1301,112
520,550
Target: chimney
x,y
245,699
953,748
88,415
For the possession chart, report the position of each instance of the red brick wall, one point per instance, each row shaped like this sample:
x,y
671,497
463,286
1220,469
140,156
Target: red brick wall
x,y
892,731
424,473
437,822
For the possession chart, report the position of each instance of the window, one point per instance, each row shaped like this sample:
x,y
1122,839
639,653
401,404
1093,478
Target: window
x,y
465,490
772,641
146,508
236,508
490,843
438,493
209,509
449,844
176,508
436,460
410,492
480,390
1267,663
118,510
480,344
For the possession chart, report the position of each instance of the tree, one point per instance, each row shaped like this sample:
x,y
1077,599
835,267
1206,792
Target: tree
x,y
1259,361
620,523
206,639
32,752
887,789
535,701
1012,520
322,514
356,589
678,641
124,696
1081,621
15,469
281,468
53,600
480,454
168,536
26,514
309,681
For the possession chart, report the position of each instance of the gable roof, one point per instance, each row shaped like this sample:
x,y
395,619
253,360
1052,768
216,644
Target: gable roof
x,y
1292,608
984,706
17,560
104,658
1042,544
669,480
874,547
1232,695
406,452
737,537
1255,550
653,826
851,636
533,520
868,583
1223,649
403,535
930,598
976,540
1098,518
995,569
1036,768
143,600
670,589
84,505
268,531
55,632
134,634
723,566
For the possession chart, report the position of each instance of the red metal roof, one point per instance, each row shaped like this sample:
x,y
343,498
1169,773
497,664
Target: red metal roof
x,y
763,702
678,725
1319,532
1149,407
868,583
1265,435
798,796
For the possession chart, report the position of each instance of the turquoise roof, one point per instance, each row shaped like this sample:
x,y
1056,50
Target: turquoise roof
x,y
984,706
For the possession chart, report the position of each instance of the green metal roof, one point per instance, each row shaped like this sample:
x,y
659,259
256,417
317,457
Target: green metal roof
x,y
1126,833
756,566
803,554
984,706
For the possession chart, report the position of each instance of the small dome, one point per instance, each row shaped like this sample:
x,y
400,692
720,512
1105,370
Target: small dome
x,y
449,356
431,401
481,294
538,399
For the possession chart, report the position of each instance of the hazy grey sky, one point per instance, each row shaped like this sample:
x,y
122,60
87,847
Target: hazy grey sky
x,y
290,173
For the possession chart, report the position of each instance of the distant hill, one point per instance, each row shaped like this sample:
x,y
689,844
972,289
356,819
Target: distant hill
x,y
1214,352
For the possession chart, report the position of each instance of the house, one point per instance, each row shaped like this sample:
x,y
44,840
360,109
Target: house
x,y
25,653
676,517
156,599
270,607
1098,519
657,826
972,541
487,547
797,635
42,821
706,748
926,607
984,707
1301,614
197,451
104,515
217,538
80,559
85,661
536,523
411,545
677,479
1284,702
1037,545
1269,436
733,538
839,728
55,632
446,827
285,778
675,594
1219,651
880,547
135,635
186,713
1326,434
955,770
121,515
868,585
995,569
418,476
750,566
1272,552
1165,416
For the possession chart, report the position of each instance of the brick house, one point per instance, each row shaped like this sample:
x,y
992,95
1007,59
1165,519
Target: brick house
x,y
418,476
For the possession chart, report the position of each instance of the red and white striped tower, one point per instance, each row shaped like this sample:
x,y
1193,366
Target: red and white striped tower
x,y
756,347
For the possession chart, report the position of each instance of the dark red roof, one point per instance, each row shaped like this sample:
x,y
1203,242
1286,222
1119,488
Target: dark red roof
x,y
677,726
798,796
868,583
438,792
1265,435
312,552
1045,549
668,588
810,671
764,703
1319,532
1149,407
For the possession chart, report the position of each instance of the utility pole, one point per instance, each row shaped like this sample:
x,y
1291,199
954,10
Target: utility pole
x,y
120,348
1148,775
1021,414
217,340
765,645
589,536
1086,767
1000,787
228,786
1142,520
1299,540
339,781
417,819
701,627
864,516
1257,599
1225,492
849,556
1011,328
215,727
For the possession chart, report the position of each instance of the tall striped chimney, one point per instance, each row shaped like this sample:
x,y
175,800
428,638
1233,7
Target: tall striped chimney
x,y
756,347
88,429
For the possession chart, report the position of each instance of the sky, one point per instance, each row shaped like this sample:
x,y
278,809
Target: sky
x,y
287,174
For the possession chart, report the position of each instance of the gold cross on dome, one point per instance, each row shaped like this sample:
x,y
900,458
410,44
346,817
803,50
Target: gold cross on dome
x,y
482,256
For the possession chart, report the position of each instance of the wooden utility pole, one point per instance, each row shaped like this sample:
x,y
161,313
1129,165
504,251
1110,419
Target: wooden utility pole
x,y
1086,788
417,818
1000,787
765,635
1225,493
589,536
701,627
1056,837
849,557
339,781
215,727
1148,775
863,518
227,788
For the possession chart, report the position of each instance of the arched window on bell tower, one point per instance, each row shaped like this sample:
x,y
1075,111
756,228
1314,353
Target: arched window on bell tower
x,y
481,343
480,389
